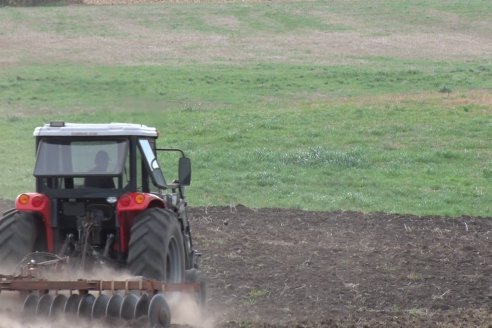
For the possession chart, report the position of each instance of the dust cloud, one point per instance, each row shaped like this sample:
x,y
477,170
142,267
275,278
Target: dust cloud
x,y
186,311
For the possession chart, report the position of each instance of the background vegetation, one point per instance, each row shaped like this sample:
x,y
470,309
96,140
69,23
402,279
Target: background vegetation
x,y
314,105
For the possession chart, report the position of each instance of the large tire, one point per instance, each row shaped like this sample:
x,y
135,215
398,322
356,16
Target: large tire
x,y
18,234
156,248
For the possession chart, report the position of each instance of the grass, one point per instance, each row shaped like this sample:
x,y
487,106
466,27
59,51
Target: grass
x,y
257,293
230,85
251,18
373,133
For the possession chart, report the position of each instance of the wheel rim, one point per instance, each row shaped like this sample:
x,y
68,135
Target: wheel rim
x,y
174,266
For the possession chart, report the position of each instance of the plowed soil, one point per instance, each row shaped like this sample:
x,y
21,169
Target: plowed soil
x,y
290,268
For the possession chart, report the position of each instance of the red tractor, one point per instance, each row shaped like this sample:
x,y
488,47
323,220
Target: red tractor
x,y
101,199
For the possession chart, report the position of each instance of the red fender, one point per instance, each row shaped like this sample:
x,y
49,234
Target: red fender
x,y
128,207
40,204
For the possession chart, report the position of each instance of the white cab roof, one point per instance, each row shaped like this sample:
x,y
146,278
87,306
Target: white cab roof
x,y
109,129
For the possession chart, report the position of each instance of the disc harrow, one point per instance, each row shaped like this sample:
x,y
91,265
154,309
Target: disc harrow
x,y
111,300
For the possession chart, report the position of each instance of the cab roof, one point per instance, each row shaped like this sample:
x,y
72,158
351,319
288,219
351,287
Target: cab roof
x,y
59,128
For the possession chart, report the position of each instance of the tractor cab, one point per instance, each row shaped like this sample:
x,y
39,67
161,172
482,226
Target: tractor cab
x,y
82,159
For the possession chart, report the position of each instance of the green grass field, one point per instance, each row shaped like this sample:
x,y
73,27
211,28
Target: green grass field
x,y
339,105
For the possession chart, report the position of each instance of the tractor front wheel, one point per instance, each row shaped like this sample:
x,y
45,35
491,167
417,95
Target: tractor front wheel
x,y
156,248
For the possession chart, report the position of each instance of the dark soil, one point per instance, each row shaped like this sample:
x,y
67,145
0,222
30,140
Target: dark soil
x,y
289,268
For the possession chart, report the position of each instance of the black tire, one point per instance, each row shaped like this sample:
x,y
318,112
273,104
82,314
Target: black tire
x,y
156,248
18,235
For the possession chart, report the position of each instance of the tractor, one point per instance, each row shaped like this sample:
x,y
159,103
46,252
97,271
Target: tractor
x,y
101,199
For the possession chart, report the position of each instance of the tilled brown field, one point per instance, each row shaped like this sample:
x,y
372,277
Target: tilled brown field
x,y
291,268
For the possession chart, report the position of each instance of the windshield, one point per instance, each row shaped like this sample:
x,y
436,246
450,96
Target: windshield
x,y
61,157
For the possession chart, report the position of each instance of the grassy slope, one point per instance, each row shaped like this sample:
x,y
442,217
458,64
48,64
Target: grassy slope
x,y
374,133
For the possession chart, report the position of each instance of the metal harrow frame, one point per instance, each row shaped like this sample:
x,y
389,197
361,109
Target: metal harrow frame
x,y
141,298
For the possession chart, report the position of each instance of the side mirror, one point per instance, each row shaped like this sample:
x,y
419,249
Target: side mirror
x,y
184,174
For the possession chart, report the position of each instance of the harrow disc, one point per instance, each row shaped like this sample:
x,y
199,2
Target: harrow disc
x,y
113,307
99,306
142,307
85,306
159,313
72,304
58,305
30,304
128,306
44,304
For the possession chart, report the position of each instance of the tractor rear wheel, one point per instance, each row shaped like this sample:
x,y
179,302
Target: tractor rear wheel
x,y
18,234
156,248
